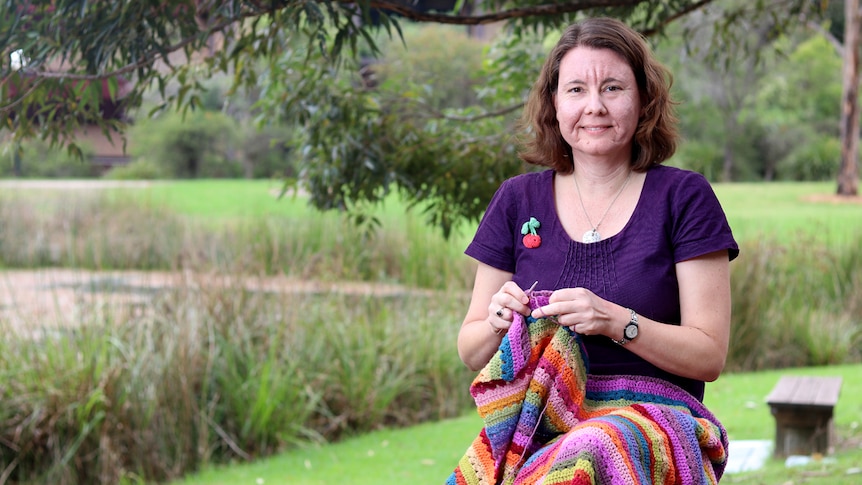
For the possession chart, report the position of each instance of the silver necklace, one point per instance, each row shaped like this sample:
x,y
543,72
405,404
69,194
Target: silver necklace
x,y
593,235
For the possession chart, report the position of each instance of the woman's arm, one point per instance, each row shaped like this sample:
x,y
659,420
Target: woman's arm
x,y
482,329
697,348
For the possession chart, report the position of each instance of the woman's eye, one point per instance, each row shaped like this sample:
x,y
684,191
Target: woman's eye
x,y
613,88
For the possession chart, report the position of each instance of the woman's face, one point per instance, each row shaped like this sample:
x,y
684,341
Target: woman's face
x,y
598,103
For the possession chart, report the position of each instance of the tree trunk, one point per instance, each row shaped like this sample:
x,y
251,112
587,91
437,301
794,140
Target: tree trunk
x,y
848,174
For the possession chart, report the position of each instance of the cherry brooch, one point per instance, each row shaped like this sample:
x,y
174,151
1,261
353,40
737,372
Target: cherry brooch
x,y
531,239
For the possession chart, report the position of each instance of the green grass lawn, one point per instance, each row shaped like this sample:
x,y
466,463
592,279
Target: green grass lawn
x,y
225,199
427,453
229,199
755,210
788,210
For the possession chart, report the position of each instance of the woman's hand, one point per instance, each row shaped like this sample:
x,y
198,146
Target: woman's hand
x,y
482,329
585,312
507,301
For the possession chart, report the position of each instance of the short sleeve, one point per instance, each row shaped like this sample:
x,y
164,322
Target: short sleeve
x,y
700,225
493,243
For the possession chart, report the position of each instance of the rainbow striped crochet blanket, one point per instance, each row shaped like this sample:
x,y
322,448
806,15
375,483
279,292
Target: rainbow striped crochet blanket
x,y
546,420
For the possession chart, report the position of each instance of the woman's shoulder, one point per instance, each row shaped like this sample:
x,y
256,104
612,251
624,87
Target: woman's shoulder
x,y
671,175
696,219
529,183
675,182
528,194
532,178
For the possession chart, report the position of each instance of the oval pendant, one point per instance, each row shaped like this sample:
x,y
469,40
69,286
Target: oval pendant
x,y
591,236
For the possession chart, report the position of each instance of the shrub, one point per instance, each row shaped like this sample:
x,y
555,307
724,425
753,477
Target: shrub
x,y
795,305
702,157
199,144
40,160
441,74
815,160
142,168
268,153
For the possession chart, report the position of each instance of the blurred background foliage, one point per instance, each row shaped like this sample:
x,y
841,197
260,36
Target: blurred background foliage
x,y
428,111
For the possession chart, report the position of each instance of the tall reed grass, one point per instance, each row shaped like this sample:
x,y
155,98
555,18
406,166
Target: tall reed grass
x,y
106,231
214,373
796,303
211,370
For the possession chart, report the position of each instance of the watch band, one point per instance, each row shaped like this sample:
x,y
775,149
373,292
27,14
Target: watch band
x,y
633,322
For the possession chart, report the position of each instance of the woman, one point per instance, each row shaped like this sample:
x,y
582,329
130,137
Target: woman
x,y
629,261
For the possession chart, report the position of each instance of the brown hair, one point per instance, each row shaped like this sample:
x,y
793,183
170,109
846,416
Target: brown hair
x,y
656,135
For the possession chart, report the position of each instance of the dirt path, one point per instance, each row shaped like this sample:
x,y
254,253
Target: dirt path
x,y
72,184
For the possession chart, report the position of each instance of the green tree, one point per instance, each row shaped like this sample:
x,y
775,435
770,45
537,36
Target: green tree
x,y
797,106
55,53
199,145
722,83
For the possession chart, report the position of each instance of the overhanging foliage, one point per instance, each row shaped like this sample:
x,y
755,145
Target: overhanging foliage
x,y
360,143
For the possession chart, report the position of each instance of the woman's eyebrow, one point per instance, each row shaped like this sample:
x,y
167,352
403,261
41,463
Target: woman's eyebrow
x,y
604,81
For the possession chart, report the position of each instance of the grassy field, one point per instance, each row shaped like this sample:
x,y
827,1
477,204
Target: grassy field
x,y
784,211
427,453
755,210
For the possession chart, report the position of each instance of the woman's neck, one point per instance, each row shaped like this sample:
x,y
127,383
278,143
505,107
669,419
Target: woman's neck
x,y
601,179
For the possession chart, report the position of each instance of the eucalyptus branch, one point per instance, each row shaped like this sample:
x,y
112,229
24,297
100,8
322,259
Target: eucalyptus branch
x,y
490,114
429,112
514,13
681,13
836,44
21,98
389,5
488,140
531,11
146,60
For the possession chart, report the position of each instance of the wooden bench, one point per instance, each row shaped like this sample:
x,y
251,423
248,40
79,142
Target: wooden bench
x,y
803,407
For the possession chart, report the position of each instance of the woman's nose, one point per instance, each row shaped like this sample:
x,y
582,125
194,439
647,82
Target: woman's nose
x,y
595,105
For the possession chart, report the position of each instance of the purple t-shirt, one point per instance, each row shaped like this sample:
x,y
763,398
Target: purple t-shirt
x,y
677,217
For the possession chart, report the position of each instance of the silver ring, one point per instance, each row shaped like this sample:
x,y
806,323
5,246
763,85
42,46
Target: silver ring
x,y
500,313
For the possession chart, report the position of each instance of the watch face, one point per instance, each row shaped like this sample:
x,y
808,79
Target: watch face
x,y
631,331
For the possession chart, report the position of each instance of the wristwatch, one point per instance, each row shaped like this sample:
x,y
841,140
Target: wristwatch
x,y
631,330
